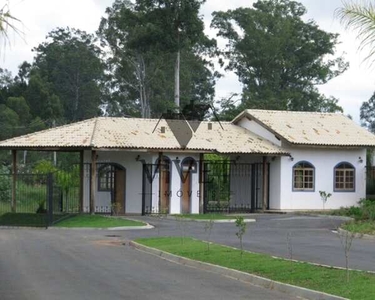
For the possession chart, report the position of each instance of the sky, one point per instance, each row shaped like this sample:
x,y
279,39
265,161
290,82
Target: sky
x,y
39,17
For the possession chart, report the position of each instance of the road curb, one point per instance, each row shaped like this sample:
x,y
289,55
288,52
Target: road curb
x,y
214,221
357,235
122,228
220,221
238,275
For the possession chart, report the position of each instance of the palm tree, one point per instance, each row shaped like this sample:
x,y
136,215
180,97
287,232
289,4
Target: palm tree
x,y
360,17
7,21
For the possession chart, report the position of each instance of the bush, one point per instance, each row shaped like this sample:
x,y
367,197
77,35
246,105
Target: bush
x,y
365,211
368,210
5,184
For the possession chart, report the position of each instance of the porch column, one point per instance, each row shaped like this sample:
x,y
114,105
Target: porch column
x,y
160,181
93,182
201,186
81,181
265,184
14,180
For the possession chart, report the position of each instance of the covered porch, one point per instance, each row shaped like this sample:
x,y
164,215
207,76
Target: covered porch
x,y
139,166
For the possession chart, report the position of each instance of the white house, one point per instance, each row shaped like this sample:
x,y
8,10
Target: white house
x,y
277,160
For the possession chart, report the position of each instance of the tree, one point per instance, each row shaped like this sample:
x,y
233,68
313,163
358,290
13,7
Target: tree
x,y
178,24
278,57
143,56
42,101
367,114
360,17
70,62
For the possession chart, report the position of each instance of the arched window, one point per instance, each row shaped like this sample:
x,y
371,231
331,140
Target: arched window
x,y
344,177
303,176
189,164
106,178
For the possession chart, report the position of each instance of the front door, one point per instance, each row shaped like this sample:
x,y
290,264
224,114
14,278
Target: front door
x,y
120,191
186,192
165,187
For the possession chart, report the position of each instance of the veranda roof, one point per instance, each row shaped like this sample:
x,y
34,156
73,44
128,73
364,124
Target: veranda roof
x,y
311,128
148,134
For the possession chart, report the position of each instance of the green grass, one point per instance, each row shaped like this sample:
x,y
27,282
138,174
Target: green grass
x,y
363,227
23,219
96,221
206,216
328,280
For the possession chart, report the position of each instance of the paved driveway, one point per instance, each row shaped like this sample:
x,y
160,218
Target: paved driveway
x,y
312,238
72,264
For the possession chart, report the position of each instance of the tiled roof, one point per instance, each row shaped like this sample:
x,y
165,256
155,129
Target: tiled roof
x,y
134,133
312,128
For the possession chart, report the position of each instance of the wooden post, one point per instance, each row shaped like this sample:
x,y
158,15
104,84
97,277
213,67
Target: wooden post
x,y
201,186
81,181
160,181
265,184
14,180
93,182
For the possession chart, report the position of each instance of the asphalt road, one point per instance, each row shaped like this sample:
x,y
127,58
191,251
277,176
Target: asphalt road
x,y
312,238
72,264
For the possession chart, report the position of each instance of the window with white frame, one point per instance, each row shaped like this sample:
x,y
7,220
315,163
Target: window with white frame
x,y
344,177
303,176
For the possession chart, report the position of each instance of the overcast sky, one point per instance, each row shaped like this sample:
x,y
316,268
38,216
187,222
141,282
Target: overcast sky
x,y
41,16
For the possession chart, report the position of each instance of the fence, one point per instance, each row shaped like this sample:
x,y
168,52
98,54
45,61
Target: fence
x,y
370,181
233,187
41,199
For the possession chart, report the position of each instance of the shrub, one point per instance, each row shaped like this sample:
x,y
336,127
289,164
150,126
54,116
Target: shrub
x,y
5,184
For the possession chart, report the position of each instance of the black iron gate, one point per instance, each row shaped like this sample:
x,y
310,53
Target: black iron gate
x,y
233,187
149,175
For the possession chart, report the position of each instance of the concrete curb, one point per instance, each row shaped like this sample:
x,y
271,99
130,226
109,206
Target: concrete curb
x,y
358,235
215,221
238,275
220,221
330,217
122,228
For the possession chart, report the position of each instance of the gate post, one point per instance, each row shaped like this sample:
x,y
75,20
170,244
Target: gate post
x,y
201,186
14,181
265,184
93,182
49,201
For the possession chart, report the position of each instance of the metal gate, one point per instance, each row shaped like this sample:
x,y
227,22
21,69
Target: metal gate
x,y
149,173
233,187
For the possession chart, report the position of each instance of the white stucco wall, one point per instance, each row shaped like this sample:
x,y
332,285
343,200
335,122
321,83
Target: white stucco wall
x,y
324,161
176,183
134,181
133,189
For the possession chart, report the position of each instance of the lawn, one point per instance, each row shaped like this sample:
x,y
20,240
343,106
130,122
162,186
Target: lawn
x,y
96,221
363,227
206,216
328,280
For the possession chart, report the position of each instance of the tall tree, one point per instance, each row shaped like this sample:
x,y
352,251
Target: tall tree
x,y
70,62
278,57
145,51
367,114
179,25
360,17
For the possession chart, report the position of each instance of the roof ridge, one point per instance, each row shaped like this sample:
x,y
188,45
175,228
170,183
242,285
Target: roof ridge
x,y
295,112
93,132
